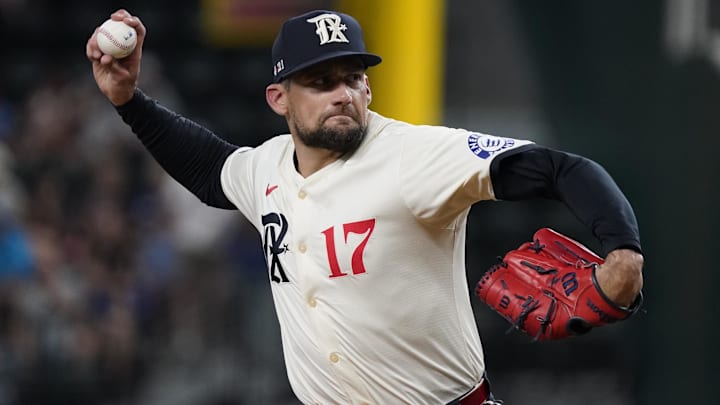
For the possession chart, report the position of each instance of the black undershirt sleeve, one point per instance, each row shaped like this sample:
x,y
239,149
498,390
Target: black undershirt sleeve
x,y
584,186
191,154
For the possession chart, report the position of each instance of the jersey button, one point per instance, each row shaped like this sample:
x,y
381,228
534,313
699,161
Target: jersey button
x,y
334,357
302,194
302,248
312,302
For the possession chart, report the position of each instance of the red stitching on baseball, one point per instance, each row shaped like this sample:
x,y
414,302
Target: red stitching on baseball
x,y
113,40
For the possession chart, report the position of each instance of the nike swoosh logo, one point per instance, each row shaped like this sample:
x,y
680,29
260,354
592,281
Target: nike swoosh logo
x,y
269,189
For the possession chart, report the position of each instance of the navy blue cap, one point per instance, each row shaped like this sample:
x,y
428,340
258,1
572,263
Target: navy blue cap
x,y
315,37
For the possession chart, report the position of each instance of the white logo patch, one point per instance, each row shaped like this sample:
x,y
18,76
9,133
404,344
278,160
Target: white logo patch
x,y
329,28
485,146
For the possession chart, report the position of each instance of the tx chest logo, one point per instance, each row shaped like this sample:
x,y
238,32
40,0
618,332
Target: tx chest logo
x,y
275,228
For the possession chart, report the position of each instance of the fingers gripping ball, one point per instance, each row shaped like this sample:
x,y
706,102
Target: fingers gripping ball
x,y
117,39
547,288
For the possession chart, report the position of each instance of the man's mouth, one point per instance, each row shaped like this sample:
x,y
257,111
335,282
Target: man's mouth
x,y
340,116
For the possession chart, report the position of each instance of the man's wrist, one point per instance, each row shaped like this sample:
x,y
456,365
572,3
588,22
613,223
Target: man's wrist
x,y
620,277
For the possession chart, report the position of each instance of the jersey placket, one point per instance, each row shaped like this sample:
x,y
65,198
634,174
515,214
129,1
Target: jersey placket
x,y
313,271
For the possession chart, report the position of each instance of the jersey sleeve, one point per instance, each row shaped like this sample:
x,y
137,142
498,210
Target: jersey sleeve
x,y
444,171
237,180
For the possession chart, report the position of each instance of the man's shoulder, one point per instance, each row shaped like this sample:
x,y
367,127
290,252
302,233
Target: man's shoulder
x,y
270,152
381,126
277,142
273,145
380,122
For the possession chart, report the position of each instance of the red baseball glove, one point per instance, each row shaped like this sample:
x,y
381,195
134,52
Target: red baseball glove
x,y
547,288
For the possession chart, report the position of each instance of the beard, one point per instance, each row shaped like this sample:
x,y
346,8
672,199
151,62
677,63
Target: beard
x,y
344,139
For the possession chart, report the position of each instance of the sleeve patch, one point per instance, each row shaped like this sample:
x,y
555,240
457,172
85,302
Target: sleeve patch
x,y
485,146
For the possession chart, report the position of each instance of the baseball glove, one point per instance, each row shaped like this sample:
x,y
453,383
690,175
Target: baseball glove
x,y
547,288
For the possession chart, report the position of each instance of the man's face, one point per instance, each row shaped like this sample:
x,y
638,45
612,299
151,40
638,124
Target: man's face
x,y
327,104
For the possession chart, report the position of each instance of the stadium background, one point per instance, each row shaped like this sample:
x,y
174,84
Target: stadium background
x,y
116,287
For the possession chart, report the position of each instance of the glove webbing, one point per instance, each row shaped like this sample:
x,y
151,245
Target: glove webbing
x,y
531,304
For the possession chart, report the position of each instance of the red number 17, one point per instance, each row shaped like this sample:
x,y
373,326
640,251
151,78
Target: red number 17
x,y
359,227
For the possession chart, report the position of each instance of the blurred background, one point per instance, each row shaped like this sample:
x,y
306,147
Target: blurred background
x,y
118,287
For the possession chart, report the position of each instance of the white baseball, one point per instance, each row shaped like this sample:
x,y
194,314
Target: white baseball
x,y
117,39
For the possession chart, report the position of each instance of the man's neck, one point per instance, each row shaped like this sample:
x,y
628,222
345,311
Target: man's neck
x,y
309,160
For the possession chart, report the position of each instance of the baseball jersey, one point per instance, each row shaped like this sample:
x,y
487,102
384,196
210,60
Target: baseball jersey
x,y
366,258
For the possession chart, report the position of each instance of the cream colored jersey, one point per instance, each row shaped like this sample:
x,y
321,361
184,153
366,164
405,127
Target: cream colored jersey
x,y
366,259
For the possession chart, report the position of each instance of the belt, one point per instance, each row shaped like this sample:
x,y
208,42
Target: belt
x,y
476,396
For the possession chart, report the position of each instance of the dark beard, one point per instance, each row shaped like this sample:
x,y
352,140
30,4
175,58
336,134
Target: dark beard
x,y
343,141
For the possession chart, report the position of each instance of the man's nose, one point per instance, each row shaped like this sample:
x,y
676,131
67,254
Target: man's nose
x,y
342,94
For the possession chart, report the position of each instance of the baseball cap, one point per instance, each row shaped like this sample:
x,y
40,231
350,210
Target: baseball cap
x,y
314,37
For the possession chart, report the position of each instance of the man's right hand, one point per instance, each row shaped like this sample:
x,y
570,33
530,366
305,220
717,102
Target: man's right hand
x,y
117,78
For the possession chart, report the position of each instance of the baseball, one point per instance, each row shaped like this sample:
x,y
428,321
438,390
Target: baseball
x,y
117,39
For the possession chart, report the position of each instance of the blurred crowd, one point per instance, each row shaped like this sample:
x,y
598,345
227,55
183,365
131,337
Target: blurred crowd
x,y
116,285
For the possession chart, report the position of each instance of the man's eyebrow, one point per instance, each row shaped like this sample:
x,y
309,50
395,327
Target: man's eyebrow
x,y
338,66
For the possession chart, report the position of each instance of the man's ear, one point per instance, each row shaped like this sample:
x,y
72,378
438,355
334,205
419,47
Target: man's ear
x,y
367,89
276,97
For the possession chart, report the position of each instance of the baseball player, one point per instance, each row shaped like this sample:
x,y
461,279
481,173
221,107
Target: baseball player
x,y
362,217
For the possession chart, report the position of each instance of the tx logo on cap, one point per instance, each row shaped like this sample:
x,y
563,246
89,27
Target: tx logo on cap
x,y
329,28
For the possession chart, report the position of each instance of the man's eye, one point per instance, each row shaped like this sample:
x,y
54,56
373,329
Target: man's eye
x,y
354,79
